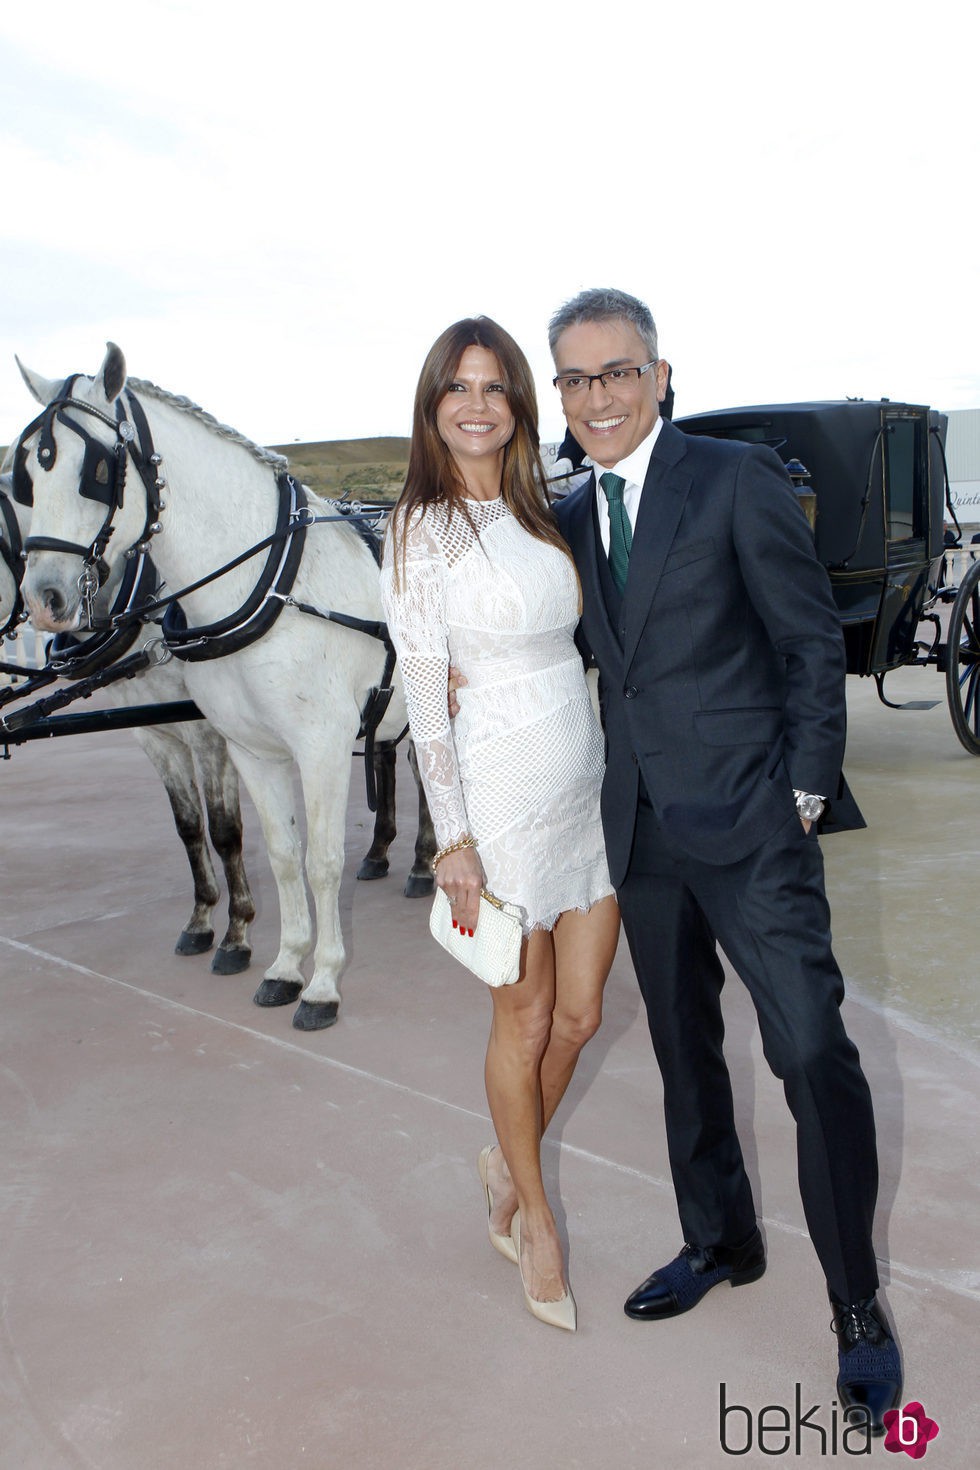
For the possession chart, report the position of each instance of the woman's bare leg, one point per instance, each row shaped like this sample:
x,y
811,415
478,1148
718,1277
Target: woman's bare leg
x,y
577,955
585,947
518,1039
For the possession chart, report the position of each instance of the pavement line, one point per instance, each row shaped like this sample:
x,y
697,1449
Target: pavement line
x,y
913,1275
921,1030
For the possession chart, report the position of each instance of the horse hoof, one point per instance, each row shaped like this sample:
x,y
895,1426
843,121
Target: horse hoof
x,y
230,961
419,885
372,868
277,992
195,942
314,1015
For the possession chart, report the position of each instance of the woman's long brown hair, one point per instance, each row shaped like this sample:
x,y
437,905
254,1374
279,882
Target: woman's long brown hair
x,y
433,477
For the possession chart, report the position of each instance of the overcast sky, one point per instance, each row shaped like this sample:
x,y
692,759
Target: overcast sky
x,y
275,211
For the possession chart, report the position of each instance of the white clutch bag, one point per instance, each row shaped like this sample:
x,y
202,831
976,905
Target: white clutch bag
x,y
494,952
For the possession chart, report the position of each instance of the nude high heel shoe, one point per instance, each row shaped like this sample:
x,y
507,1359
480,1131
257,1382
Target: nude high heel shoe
x,y
557,1314
502,1243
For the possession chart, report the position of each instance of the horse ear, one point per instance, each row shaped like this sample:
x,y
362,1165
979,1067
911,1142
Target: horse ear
x,y
40,388
113,371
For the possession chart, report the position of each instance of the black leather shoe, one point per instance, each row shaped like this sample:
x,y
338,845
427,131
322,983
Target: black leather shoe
x,y
869,1382
681,1285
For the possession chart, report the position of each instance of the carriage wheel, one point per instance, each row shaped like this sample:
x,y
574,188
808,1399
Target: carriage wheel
x,y
963,662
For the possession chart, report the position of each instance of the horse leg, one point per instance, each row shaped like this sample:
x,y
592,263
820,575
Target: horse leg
x,y
270,785
174,764
420,881
219,782
375,863
326,783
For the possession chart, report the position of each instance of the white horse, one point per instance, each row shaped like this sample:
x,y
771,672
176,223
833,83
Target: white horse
x,y
292,698
190,758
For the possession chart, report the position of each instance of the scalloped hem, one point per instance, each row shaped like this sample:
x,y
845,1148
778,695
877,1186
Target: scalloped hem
x,y
548,923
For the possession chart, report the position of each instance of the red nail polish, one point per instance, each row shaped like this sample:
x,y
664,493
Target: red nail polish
x,y
455,925
470,933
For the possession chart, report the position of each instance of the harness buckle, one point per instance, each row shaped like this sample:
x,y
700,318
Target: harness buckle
x,y
158,652
88,585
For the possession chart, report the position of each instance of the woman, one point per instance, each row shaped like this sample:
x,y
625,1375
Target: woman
x,y
475,574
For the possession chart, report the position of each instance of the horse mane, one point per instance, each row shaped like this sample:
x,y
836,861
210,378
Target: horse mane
x,y
187,405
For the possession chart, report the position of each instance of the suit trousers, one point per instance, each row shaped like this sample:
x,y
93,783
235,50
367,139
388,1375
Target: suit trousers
x,y
769,913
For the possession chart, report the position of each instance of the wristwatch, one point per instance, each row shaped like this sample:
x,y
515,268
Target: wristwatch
x,y
811,808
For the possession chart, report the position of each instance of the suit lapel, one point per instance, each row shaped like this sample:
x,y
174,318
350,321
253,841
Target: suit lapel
x,y
665,491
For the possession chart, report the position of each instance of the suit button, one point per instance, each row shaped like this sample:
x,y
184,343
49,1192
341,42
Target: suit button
x,y
634,759
631,691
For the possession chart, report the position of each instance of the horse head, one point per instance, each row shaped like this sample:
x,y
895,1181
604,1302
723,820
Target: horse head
x,y
70,466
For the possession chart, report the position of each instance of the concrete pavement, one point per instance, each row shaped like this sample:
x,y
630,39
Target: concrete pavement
x,y
226,1243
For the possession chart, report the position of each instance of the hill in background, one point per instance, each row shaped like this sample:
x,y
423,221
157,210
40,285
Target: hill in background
x,y
360,469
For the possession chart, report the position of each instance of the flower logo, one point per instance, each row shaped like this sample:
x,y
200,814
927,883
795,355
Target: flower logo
x,y
909,1429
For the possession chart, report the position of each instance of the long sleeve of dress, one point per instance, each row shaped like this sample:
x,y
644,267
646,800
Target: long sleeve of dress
x,y
415,608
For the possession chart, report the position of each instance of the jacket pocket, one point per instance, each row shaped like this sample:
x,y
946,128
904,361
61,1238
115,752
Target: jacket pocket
x,y
684,555
738,726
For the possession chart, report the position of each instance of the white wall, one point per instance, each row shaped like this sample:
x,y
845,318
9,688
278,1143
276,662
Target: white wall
x,y
963,462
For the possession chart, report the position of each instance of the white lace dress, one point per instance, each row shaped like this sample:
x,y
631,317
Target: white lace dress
x,y
521,765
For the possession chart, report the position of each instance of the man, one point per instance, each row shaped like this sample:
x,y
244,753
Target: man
x,y
721,666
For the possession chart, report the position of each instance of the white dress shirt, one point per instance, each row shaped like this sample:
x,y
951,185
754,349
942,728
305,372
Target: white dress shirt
x,y
632,469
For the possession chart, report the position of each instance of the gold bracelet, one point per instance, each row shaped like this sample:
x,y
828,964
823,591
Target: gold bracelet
x,y
444,852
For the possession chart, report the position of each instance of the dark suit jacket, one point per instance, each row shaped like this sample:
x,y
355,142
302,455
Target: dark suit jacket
x,y
723,671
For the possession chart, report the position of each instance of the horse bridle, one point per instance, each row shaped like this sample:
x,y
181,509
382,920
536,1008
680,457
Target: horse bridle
x,y
103,478
11,547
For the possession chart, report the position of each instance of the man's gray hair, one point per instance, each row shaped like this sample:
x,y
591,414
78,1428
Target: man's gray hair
x,y
603,304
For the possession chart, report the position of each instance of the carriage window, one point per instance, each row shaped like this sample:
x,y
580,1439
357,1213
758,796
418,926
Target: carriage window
x,y
745,433
749,433
904,508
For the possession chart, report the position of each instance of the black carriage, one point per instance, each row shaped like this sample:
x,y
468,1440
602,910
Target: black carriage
x,y
872,480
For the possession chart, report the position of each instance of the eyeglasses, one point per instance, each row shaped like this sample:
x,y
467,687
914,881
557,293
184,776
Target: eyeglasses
x,y
572,385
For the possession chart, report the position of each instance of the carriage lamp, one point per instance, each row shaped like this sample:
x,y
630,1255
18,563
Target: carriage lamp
x,y
797,470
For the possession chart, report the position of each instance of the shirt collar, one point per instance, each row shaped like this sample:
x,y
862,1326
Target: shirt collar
x,y
632,469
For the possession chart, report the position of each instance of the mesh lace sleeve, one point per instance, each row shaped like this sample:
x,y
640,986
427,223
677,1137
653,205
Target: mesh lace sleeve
x,y
415,608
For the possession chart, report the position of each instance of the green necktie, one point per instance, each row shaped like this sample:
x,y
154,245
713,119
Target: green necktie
x,y
620,530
